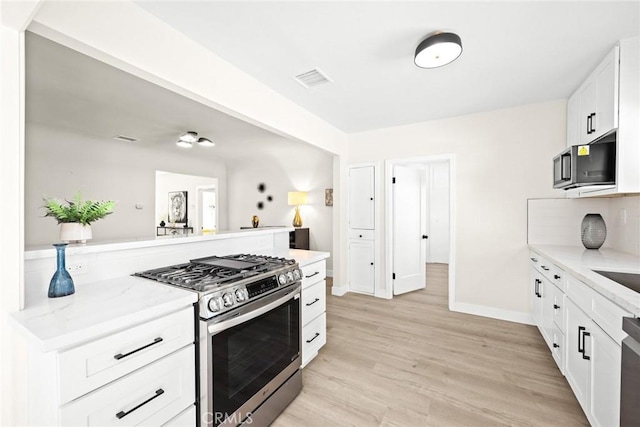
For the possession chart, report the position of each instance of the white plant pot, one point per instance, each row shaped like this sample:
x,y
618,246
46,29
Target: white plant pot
x,y
75,232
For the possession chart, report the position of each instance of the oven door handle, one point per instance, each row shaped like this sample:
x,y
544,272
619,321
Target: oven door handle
x,y
219,327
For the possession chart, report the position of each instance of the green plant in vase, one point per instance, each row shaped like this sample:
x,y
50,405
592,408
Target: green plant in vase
x,y
75,216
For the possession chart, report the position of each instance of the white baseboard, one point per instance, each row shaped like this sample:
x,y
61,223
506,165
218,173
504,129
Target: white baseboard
x,y
329,273
494,313
339,290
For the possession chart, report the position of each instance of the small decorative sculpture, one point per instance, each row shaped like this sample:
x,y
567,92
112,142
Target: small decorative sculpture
x,y
255,221
162,224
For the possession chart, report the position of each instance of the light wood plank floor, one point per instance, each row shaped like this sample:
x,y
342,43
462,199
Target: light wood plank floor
x,y
411,362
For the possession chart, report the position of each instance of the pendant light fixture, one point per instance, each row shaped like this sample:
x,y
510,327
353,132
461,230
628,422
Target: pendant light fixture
x,y
437,50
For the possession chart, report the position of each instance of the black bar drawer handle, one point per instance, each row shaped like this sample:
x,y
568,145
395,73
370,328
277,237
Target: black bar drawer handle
x,y
556,345
123,414
545,268
581,329
555,276
556,306
314,337
311,275
534,259
584,352
122,356
313,302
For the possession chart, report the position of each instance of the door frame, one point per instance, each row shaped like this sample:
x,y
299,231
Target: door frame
x,y
389,164
199,190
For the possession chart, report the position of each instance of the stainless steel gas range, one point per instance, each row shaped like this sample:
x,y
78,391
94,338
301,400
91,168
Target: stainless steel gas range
x,y
249,334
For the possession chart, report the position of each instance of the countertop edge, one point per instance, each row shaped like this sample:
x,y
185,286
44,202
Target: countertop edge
x,y
49,252
611,290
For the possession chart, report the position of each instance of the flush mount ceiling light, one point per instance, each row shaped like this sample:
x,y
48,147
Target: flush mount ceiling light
x,y
189,136
437,50
187,139
206,142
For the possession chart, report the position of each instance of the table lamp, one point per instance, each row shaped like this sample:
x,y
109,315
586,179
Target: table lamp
x,y
297,198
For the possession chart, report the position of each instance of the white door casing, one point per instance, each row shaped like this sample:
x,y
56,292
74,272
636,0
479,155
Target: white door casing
x,y
408,244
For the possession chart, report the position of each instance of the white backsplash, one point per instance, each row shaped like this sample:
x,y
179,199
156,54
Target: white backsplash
x,y
97,264
557,221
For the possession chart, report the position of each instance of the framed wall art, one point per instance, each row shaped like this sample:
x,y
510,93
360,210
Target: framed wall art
x,y
178,207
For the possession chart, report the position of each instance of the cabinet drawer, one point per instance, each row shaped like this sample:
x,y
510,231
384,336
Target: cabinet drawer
x,y
314,336
361,234
558,308
313,273
92,365
558,347
314,302
580,294
608,316
186,419
150,396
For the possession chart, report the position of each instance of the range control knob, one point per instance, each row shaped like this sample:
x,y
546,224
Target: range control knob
x,y
214,305
227,299
296,274
240,295
282,279
290,276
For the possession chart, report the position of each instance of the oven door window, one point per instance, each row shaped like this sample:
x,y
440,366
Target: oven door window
x,y
248,356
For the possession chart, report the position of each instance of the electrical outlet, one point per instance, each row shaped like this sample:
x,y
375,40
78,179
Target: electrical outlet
x,y
75,267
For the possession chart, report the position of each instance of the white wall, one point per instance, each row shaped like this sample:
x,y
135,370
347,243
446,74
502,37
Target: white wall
x,y
284,169
58,163
502,159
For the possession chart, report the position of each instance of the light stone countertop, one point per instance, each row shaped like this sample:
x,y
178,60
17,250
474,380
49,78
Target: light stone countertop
x,y
581,262
104,307
46,251
98,309
303,257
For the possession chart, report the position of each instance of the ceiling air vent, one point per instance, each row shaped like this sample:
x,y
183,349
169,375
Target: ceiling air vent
x,y
125,138
312,78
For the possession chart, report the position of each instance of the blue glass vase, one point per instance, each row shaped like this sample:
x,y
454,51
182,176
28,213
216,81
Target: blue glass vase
x,y
61,283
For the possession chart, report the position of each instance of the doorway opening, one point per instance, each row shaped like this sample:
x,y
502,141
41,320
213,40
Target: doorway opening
x,y
420,212
207,209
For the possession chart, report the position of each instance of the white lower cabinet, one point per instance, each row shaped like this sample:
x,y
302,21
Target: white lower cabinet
x,y
142,375
361,266
593,368
583,329
577,367
186,418
150,396
605,379
313,307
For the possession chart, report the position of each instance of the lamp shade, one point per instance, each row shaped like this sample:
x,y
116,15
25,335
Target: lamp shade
x,y
297,198
437,50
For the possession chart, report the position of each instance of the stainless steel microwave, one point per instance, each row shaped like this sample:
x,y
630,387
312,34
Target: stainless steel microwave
x,y
580,165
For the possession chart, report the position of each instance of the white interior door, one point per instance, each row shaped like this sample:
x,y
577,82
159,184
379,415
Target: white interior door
x,y
408,244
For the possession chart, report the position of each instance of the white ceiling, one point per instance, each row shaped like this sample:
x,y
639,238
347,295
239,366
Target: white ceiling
x,y
514,53
69,90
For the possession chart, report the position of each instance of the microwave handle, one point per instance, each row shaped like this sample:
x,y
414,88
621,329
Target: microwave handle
x,y
565,173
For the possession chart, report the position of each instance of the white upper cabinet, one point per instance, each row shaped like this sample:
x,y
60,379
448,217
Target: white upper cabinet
x,y
592,110
609,100
361,203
